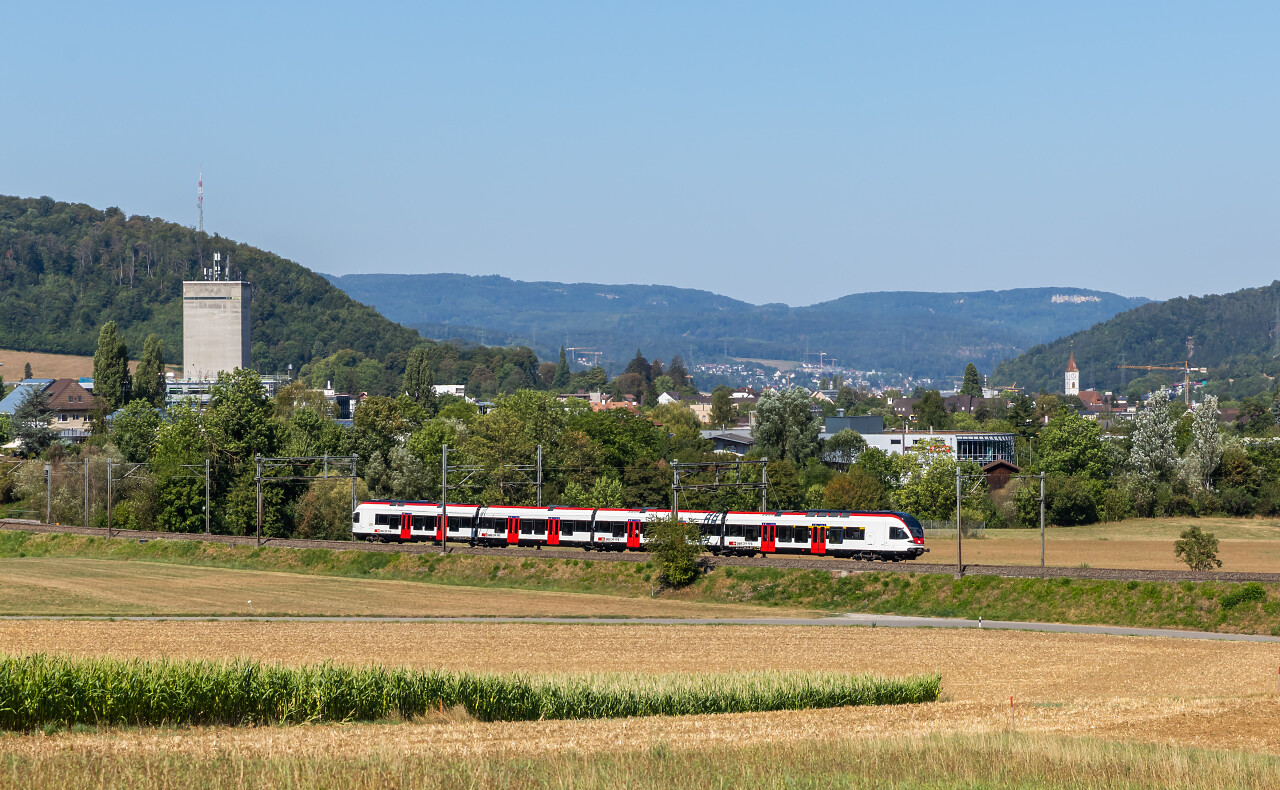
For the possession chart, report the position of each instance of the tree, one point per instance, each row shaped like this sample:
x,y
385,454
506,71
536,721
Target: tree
x,y
641,367
148,379
111,383
26,372
1072,445
931,411
722,411
1021,415
676,546
419,384
31,422
561,379
972,381
785,427
844,447
1205,451
678,372
1198,549
855,490
607,492
1153,455
134,430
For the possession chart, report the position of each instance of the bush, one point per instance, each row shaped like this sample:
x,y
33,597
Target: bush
x,y
1197,548
1071,501
1243,594
1238,501
676,546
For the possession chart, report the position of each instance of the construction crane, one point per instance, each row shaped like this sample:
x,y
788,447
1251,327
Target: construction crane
x,y
1185,367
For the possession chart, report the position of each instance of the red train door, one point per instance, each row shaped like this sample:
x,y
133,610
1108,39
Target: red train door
x,y
768,537
818,540
406,523
440,527
553,532
633,534
513,530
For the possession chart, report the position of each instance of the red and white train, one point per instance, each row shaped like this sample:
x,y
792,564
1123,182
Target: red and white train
x,y
883,535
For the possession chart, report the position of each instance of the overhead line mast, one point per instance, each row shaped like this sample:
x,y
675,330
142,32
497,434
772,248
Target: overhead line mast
x,y
200,199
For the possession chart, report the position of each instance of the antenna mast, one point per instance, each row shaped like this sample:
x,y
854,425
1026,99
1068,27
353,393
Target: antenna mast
x,y
200,199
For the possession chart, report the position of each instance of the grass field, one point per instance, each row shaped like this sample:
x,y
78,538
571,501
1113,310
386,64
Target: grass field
x,y
101,585
73,586
47,366
1244,545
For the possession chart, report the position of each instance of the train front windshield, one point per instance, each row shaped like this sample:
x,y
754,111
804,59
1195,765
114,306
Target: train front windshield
x,y
913,525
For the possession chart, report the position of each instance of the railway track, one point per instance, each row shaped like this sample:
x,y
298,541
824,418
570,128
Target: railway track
x,y
831,564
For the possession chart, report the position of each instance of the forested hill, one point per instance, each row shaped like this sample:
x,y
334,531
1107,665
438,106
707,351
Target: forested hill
x,y
1232,334
66,269
922,334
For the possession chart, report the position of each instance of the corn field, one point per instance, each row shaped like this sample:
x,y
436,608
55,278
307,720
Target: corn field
x,y
40,689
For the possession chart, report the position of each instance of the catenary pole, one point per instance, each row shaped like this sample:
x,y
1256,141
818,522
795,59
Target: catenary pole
x,y
355,460
48,493
86,493
206,496
959,563
539,475
764,479
109,508
1042,519
258,534
444,496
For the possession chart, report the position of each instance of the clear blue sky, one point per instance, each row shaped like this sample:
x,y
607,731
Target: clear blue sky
x,y
768,151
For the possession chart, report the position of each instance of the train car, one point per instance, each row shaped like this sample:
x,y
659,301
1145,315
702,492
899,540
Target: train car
x,y
878,535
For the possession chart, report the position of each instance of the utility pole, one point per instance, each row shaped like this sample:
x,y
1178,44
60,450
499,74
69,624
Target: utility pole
x,y
444,497
539,475
258,478
109,508
48,493
86,493
764,481
1042,519
355,461
959,563
675,488
206,496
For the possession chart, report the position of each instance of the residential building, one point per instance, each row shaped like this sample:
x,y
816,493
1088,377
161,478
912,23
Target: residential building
x,y
738,442
73,406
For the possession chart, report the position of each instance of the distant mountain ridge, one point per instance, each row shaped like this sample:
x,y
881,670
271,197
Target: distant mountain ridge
x,y
916,333
1236,335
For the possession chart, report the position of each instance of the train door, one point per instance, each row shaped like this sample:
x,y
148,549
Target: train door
x,y
406,524
768,537
553,532
633,534
818,539
513,530
440,527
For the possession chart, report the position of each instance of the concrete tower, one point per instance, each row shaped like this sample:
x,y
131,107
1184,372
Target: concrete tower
x,y
1073,376
215,328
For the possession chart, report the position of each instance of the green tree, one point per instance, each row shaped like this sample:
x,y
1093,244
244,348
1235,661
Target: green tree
x,y
111,385
134,430
679,373
26,372
931,411
785,426
1153,455
180,439
878,464
844,447
239,425
419,384
31,422
148,379
855,490
1198,549
722,412
675,546
561,379
972,381
1021,416
1205,452
1072,445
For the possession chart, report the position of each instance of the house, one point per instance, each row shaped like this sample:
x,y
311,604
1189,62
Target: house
x,y
73,406
738,442
998,473
668,397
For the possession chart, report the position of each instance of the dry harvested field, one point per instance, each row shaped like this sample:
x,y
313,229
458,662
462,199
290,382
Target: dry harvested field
x,y
47,366
1215,694
1145,544
62,586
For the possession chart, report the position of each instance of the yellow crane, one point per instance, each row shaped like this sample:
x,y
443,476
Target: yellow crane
x,y
1186,369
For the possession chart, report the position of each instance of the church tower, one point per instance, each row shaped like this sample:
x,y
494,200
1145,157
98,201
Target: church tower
x,y
1072,386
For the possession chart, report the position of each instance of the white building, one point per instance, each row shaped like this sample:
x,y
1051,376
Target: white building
x,y
215,328
1072,385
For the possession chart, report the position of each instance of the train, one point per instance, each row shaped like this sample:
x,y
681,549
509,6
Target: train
x,y
864,535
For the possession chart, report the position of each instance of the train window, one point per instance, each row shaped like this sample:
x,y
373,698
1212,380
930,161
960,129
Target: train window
x,y
493,524
752,533
382,519
897,533
355,517
619,528
856,533
459,522
539,527
423,522
835,535
801,535
784,533
735,531
526,527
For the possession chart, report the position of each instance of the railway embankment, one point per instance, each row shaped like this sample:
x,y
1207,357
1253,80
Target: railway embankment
x,y
1225,606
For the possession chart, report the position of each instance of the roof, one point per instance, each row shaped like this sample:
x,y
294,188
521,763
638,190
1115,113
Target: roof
x,y
14,399
1071,364
68,395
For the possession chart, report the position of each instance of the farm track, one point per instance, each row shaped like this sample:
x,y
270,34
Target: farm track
x,y
803,563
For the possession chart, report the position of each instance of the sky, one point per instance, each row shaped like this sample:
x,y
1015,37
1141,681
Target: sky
x,y
773,152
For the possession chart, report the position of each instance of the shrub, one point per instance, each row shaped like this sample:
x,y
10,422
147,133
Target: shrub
x,y
1071,501
676,546
1238,501
1197,548
1243,594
